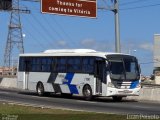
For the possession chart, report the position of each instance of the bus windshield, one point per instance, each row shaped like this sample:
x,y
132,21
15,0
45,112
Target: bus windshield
x,y
123,68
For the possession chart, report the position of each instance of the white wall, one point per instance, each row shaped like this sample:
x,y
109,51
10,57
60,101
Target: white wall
x,y
147,94
8,82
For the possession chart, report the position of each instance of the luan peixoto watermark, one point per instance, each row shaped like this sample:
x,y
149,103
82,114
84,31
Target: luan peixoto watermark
x,y
9,117
142,117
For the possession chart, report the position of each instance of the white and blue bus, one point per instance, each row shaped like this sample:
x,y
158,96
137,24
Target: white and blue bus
x,y
82,72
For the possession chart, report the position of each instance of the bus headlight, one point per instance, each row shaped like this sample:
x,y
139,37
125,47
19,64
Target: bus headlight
x,y
138,85
110,84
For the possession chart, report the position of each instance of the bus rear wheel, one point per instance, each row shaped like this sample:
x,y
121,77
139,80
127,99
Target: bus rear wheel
x,y
87,92
117,98
40,89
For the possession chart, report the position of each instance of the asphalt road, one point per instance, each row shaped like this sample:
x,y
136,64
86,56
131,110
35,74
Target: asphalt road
x,y
104,105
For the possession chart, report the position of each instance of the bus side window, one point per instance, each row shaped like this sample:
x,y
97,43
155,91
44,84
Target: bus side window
x,y
88,65
54,64
46,64
74,64
61,64
24,64
21,64
35,64
27,63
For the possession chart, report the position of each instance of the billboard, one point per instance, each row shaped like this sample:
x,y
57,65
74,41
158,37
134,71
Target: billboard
x,y
156,50
82,8
5,4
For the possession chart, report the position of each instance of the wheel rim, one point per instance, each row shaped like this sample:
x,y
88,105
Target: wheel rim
x,y
87,91
40,89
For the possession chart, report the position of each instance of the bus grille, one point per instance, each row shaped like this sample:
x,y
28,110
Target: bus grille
x,y
122,85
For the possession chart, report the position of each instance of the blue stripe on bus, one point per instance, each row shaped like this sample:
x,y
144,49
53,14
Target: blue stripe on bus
x,y
73,89
134,84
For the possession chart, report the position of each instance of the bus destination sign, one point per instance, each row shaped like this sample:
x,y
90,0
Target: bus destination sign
x,y
82,8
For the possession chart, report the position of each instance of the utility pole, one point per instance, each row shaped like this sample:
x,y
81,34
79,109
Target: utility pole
x,y
115,9
117,28
15,36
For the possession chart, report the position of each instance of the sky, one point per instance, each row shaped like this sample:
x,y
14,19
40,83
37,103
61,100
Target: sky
x,y
139,21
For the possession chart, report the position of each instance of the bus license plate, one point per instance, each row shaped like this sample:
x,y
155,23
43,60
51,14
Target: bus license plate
x,y
125,91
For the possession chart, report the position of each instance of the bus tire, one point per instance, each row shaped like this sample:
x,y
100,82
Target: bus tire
x,y
117,98
40,89
87,92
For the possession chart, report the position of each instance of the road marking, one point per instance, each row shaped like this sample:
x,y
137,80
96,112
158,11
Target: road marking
x,y
81,101
141,107
4,92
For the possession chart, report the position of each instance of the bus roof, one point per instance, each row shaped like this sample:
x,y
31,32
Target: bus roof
x,y
72,52
69,51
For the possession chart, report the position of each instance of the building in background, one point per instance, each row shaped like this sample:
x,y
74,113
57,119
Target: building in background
x,y
156,58
8,72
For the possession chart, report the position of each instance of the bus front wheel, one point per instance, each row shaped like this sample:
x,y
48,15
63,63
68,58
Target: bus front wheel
x,y
87,92
40,89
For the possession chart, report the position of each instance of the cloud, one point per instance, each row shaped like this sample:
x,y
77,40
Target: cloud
x,y
88,43
127,47
146,46
61,43
98,45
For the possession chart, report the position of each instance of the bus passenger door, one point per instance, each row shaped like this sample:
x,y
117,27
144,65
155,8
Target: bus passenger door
x,y
26,75
99,72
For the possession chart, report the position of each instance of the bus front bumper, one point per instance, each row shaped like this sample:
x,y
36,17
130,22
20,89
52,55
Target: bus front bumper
x,y
123,92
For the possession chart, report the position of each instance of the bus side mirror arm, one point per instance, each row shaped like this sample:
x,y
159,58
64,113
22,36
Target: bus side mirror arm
x,y
95,72
139,68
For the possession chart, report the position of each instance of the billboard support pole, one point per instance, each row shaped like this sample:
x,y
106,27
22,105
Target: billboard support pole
x,y
115,9
117,28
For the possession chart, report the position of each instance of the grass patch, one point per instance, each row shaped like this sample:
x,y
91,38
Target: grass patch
x,y
34,113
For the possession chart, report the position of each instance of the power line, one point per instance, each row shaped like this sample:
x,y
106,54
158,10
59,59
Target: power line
x,y
43,36
51,27
34,38
147,63
139,7
31,0
132,2
49,35
59,26
67,35
36,10
105,2
150,62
